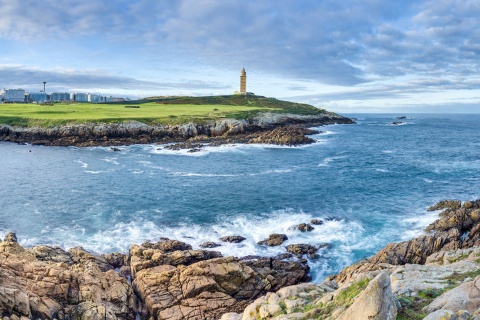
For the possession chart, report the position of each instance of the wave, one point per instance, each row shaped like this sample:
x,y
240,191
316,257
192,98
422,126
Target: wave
x,y
326,162
192,174
111,160
93,172
82,164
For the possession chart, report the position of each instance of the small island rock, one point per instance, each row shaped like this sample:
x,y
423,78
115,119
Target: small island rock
x,y
275,239
233,239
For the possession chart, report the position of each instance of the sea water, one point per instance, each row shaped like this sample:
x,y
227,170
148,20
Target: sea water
x,y
370,183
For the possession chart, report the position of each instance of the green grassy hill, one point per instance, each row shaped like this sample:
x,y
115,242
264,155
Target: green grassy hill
x,y
153,110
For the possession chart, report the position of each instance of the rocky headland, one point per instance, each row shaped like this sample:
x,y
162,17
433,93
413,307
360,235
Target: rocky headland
x,y
268,128
434,276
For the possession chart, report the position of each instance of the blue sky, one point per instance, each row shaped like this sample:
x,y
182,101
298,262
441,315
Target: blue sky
x,y
348,56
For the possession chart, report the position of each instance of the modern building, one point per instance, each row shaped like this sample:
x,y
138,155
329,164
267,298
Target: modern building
x,y
38,97
59,96
79,97
12,95
109,99
95,98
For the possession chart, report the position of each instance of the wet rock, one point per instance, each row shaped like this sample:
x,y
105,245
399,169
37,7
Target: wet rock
x,y
446,204
396,123
305,227
301,249
10,237
275,239
210,245
115,149
290,136
317,222
233,239
167,245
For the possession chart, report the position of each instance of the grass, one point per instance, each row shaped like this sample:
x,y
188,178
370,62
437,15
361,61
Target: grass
x,y
151,111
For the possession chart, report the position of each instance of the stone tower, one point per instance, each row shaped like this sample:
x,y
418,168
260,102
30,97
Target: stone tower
x,y
243,81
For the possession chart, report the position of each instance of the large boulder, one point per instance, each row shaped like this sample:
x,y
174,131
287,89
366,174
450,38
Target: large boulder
x,y
376,302
464,297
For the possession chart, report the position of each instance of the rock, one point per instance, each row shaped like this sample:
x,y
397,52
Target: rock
x,y
275,239
209,245
167,245
317,222
305,227
441,315
115,149
375,302
301,249
446,204
206,289
10,237
401,117
290,136
396,123
117,259
464,297
46,253
233,239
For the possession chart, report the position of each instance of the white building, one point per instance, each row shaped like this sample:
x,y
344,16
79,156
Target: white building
x,y
36,97
59,96
80,97
94,98
12,95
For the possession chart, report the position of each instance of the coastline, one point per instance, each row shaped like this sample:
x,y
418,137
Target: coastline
x,y
169,280
271,128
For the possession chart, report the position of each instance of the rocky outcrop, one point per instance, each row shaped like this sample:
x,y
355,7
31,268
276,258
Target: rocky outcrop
x,y
156,280
274,240
263,127
457,228
61,285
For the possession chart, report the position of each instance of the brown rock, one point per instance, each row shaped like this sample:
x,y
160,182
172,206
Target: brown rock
x,y
316,222
446,204
275,239
10,237
233,239
305,227
301,249
210,245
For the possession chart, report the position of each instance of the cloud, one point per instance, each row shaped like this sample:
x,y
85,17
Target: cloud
x,y
32,79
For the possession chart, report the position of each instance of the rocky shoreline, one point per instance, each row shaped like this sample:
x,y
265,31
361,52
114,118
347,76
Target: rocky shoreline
x,y
269,128
434,276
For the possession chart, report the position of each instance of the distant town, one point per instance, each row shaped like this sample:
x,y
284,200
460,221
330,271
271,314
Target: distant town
x,y
21,96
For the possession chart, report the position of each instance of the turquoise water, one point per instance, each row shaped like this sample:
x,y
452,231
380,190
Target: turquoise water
x,y
370,182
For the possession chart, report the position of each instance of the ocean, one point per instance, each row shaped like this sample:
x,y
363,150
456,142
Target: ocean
x,y
370,183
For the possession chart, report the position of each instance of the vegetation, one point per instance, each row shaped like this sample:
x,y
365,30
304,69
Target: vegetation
x,y
151,110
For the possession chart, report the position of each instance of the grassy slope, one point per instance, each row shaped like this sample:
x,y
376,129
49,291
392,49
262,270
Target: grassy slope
x,y
152,110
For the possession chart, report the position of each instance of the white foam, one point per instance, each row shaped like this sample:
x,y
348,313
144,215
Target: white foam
x,y
82,164
326,162
415,225
93,172
111,160
192,174
382,170
387,151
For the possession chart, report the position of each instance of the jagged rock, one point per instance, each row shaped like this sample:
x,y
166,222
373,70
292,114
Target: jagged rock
x,y
376,302
301,248
233,239
206,289
275,239
316,222
305,227
210,245
290,136
46,253
10,237
446,204
34,287
117,259
167,245
81,256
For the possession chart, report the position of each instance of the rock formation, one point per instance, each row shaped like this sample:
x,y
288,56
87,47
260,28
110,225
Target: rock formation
x,y
162,280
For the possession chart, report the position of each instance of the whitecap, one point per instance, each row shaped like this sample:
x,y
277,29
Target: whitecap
x,y
82,164
111,160
93,172
326,162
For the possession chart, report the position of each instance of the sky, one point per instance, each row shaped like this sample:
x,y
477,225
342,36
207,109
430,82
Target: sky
x,y
347,56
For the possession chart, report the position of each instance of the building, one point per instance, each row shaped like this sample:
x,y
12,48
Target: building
x,y
79,97
38,97
243,81
12,95
109,99
59,96
243,84
94,98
